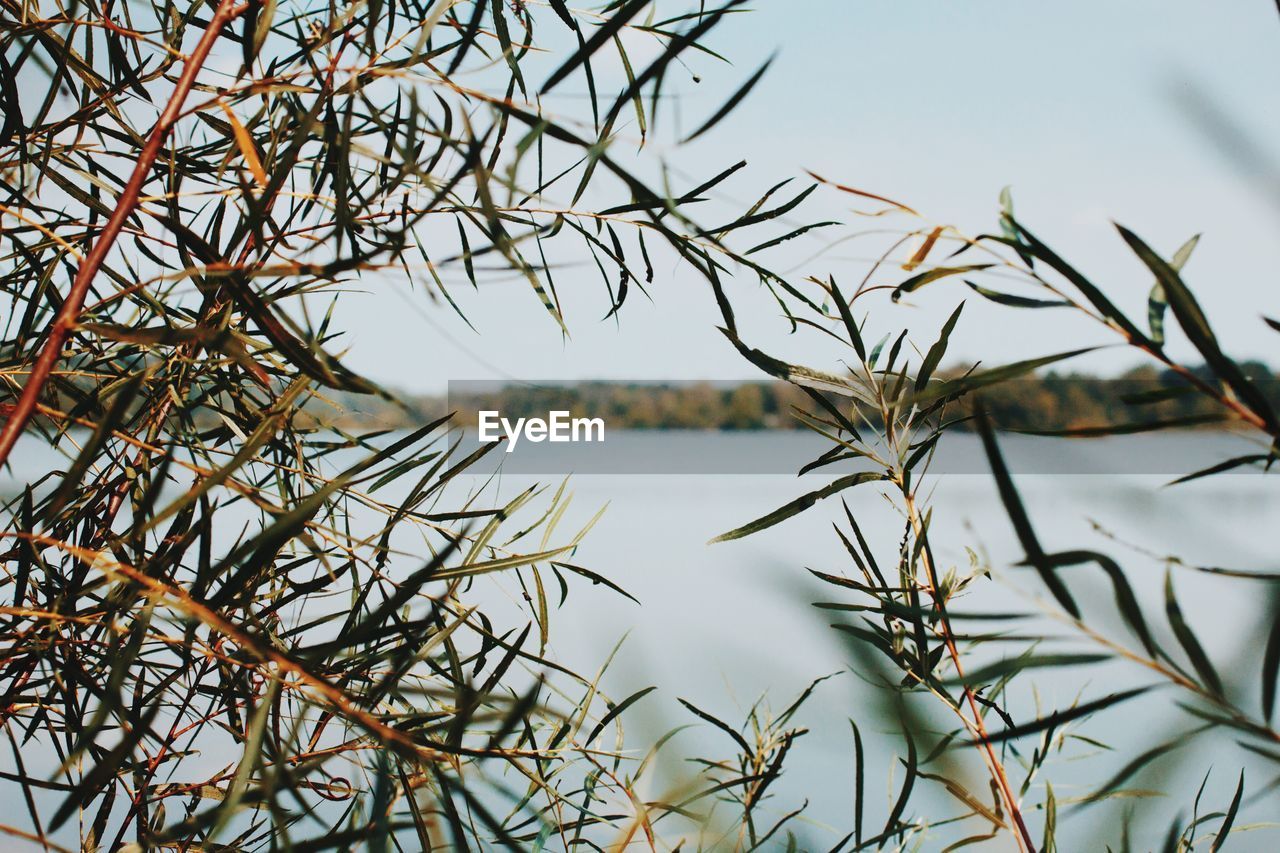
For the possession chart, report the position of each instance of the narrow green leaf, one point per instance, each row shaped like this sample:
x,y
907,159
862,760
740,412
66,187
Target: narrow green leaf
x,y
1013,300
604,33
1156,302
1057,718
921,279
799,505
1012,666
733,101
973,381
1223,831
1049,843
1195,325
934,357
1109,311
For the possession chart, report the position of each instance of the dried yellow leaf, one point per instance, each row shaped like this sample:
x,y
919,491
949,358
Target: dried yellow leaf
x,y
247,149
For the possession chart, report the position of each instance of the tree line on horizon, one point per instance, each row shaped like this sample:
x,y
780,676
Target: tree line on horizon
x,y
1068,403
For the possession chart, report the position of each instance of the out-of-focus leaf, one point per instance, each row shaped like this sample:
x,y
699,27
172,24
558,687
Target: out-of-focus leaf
x,y
1129,428
926,246
863,193
1225,465
1035,555
1271,666
1126,601
1112,785
908,783
1187,639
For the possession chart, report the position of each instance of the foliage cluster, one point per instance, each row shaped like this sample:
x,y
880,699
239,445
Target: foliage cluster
x,y
227,627
223,625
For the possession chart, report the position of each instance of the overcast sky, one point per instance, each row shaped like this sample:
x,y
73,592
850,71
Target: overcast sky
x,y
1160,114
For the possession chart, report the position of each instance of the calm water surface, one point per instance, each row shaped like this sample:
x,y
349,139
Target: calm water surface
x,y
723,625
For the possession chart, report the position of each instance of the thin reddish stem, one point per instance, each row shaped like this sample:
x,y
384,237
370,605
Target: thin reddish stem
x,y
125,205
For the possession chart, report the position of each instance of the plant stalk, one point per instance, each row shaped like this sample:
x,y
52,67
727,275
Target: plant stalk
x,y
993,763
69,312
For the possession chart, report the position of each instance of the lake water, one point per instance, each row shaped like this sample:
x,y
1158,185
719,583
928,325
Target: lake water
x,y
722,625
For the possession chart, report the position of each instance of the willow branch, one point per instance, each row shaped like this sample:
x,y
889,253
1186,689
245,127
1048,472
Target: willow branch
x,y
125,205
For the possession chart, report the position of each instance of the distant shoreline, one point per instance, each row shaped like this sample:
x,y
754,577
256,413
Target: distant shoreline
x,y
1065,404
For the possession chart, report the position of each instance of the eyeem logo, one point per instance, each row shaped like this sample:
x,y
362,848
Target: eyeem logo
x,y
557,427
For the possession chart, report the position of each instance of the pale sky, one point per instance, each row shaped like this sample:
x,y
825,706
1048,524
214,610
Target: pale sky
x,y
1160,114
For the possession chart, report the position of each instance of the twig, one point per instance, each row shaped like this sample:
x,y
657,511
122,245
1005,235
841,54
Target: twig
x,y
125,205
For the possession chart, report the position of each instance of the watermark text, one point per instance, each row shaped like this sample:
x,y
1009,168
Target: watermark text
x,y
556,427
